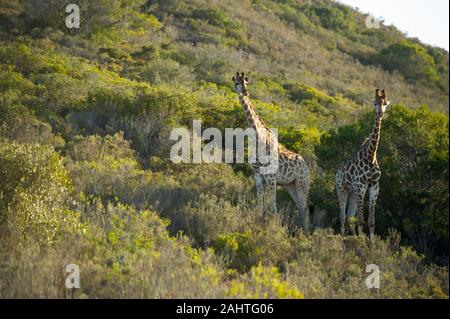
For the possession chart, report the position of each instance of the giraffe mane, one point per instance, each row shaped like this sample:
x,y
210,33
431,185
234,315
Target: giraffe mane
x,y
258,116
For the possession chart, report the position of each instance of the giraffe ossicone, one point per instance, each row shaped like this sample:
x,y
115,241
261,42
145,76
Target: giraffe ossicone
x,y
291,171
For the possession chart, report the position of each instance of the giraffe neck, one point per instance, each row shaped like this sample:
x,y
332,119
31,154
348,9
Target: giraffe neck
x,y
374,139
253,119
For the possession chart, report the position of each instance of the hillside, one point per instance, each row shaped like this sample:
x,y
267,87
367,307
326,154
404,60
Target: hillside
x,y
85,122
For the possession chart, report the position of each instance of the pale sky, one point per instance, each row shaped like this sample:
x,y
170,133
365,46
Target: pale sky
x,y
427,20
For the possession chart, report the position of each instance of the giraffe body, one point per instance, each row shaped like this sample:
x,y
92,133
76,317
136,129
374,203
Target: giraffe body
x,y
361,174
354,178
292,172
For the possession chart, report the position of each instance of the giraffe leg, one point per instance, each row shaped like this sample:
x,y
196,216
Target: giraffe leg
x,y
259,183
271,183
293,193
302,190
373,195
300,219
342,195
360,210
351,212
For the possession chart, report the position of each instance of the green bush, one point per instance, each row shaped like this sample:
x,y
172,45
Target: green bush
x,y
207,218
204,200
263,282
161,71
259,241
94,147
111,173
132,258
20,124
34,192
410,59
329,266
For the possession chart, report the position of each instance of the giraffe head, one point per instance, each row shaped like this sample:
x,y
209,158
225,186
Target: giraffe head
x,y
380,102
240,83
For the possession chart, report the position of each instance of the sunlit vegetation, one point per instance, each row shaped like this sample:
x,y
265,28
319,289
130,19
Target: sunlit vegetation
x,y
85,174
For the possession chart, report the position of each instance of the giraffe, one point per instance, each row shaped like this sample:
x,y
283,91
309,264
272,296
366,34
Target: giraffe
x,y
292,172
361,173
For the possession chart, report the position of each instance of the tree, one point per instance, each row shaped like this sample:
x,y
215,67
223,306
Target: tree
x,y
410,59
94,15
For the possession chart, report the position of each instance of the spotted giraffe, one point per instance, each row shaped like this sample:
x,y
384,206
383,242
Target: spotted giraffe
x,y
361,173
292,173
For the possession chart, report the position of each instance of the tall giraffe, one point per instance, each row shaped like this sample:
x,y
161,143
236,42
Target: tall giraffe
x,y
361,173
292,172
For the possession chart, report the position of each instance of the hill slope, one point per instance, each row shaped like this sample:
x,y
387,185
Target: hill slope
x,y
320,44
85,122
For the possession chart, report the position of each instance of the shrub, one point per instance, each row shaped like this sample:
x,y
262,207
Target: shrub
x,y
162,71
121,179
33,194
410,59
205,219
19,124
263,282
133,258
258,241
95,147
329,266
206,200
215,179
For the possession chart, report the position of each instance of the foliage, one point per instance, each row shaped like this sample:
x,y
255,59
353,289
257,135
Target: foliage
x,y
269,244
133,257
410,59
329,266
85,173
263,282
34,189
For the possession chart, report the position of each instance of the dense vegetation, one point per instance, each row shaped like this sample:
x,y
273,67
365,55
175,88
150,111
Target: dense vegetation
x,y
85,174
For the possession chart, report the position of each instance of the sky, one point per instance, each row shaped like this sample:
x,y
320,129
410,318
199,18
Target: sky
x,y
427,20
